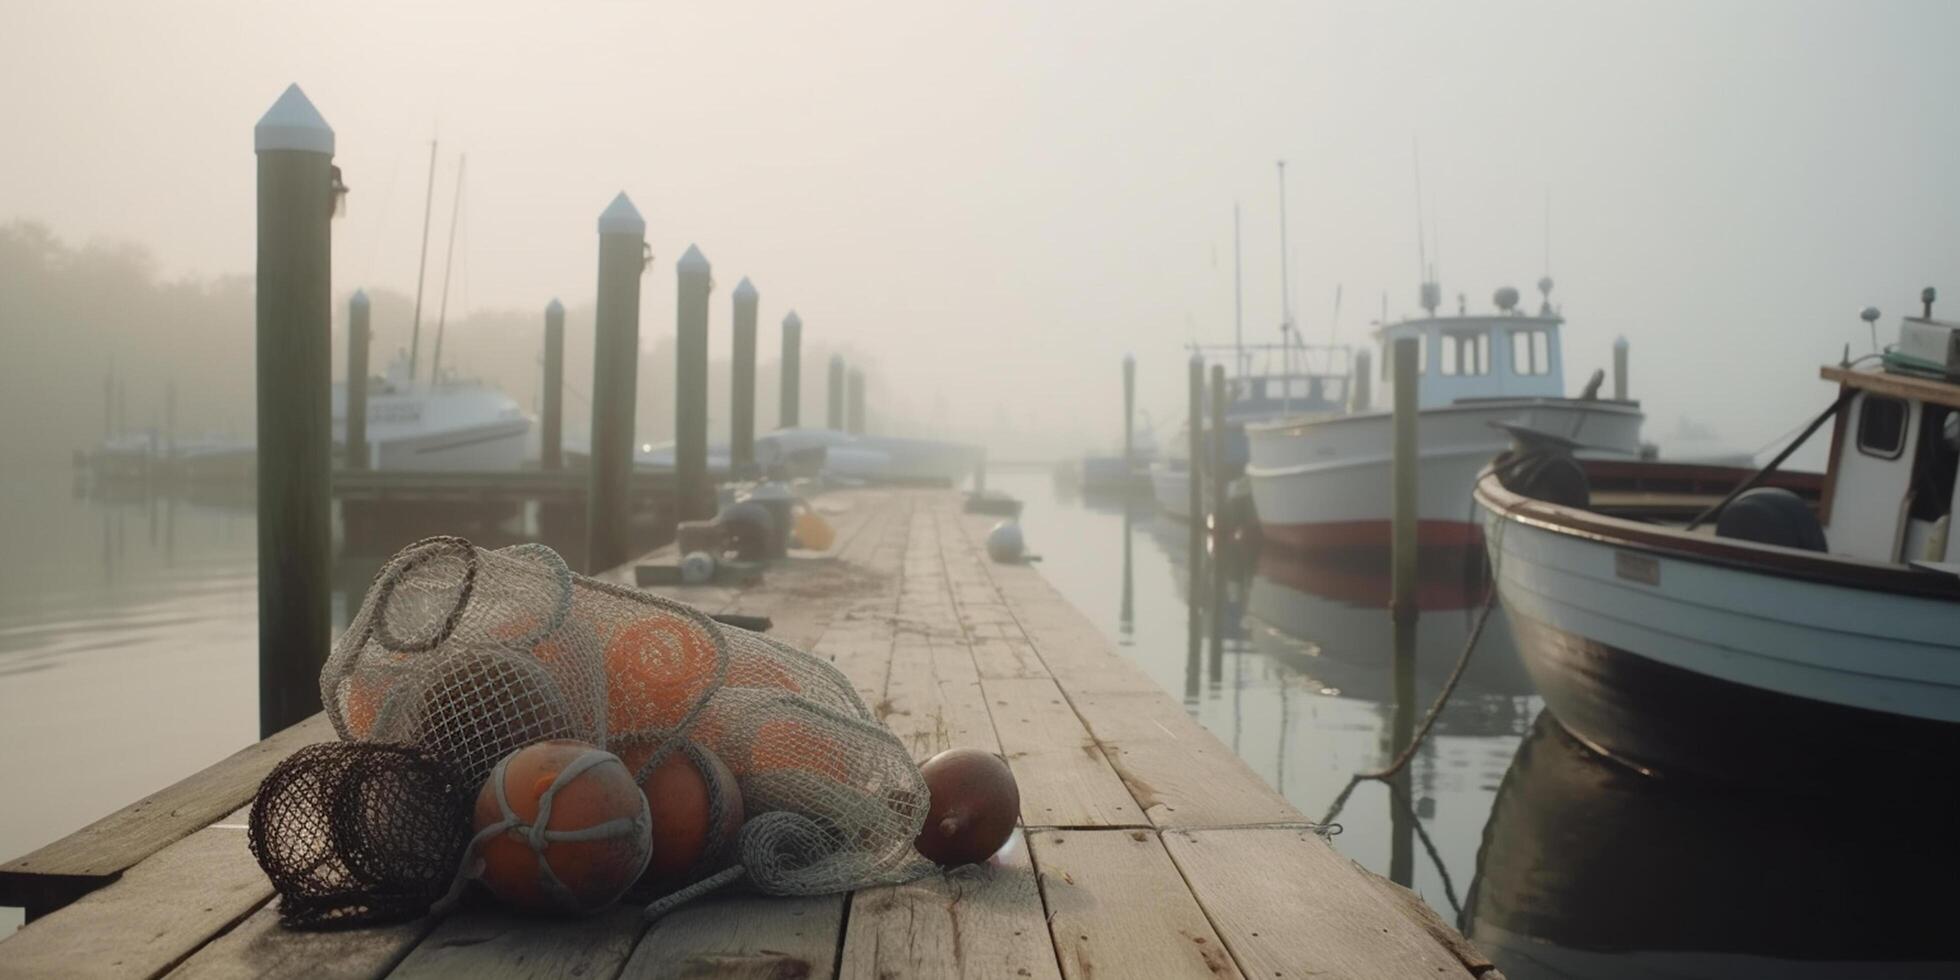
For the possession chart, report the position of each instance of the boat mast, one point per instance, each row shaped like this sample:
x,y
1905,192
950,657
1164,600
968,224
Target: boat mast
x,y
448,263
1238,295
422,265
1285,304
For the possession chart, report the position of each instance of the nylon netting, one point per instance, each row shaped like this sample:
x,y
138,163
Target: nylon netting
x,y
353,833
470,654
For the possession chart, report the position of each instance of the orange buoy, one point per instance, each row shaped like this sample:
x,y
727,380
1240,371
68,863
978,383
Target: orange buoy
x,y
593,841
974,805
813,532
696,810
657,669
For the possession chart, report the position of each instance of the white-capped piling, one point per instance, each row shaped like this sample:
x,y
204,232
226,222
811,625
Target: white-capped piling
x,y
355,455
695,495
790,405
294,146
615,372
551,454
741,415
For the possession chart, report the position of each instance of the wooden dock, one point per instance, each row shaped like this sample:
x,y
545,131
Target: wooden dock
x,y
1148,848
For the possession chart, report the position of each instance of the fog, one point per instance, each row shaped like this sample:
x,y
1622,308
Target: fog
x,y
990,204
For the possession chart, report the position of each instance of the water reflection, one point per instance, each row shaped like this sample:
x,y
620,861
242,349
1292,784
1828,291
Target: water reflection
x,y
1590,870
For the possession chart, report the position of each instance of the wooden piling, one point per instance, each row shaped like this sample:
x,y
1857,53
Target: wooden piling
x,y
295,147
789,407
355,456
1129,416
854,413
1361,396
1194,468
615,369
741,415
1402,598
1620,369
170,418
1216,466
551,454
834,416
696,493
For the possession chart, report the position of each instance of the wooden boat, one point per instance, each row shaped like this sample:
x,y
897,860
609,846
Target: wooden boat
x,y
1812,634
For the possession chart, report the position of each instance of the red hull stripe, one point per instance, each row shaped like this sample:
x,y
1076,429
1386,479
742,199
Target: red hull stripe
x,y
1339,535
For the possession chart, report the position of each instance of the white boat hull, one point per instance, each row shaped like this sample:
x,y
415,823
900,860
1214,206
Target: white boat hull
x,y
1728,669
1326,485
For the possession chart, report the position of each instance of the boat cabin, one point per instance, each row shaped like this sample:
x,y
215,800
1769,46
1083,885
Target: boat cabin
x,y
1889,494
1508,354
1276,380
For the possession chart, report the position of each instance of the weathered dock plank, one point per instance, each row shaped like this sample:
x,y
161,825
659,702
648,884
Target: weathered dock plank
x,y
159,912
1288,906
985,921
261,947
1180,774
1065,779
1118,908
742,936
495,945
51,877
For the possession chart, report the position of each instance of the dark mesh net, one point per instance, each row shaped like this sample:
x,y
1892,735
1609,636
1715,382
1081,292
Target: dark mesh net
x,y
359,832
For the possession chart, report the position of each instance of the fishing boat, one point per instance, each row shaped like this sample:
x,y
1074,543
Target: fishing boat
x,y
1800,627
448,424
1275,381
1323,484
1589,870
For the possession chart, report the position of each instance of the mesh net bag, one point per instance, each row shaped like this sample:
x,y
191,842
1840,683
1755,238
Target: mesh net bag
x,y
353,833
834,799
472,654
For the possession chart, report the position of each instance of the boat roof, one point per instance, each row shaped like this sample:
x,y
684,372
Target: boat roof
x,y
1471,322
1931,390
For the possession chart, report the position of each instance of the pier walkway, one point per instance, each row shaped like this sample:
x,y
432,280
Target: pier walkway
x,y
1148,849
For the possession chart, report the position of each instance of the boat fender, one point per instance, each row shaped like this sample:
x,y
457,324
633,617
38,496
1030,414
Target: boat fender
x,y
1772,515
1005,543
1554,478
748,528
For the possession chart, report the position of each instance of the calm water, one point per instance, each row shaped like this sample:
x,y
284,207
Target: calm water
x,y
127,660
1556,862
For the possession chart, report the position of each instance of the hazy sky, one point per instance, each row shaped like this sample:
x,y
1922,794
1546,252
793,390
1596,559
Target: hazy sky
x,y
1002,198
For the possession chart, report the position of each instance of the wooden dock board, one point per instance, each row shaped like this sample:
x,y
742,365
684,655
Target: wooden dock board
x,y
65,870
1151,849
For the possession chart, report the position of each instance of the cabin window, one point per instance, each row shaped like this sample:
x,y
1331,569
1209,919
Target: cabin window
x,y
1465,354
1881,426
1530,352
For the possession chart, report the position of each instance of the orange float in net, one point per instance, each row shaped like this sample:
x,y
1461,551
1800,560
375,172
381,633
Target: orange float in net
x,y
658,669
560,826
696,809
